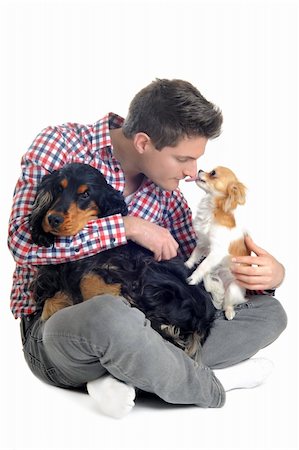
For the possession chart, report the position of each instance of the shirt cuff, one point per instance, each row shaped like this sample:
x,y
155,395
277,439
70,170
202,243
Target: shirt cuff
x,y
98,235
264,292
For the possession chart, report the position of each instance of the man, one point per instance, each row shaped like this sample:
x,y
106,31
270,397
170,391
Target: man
x,y
103,342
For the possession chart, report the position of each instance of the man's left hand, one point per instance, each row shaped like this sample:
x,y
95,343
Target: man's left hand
x,y
258,272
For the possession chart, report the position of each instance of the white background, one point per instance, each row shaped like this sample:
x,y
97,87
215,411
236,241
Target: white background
x,y
75,61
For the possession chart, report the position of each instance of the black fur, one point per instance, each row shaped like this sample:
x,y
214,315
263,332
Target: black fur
x,y
159,289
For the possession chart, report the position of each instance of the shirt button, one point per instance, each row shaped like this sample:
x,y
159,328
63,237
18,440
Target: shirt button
x,y
116,169
76,250
112,240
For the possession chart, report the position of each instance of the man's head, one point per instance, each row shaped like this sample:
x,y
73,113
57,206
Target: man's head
x,y
170,110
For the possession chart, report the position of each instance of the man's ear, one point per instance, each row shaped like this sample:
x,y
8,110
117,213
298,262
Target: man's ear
x,y
141,142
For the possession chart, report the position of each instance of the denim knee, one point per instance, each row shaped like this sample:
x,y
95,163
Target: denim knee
x,y
278,315
271,312
103,315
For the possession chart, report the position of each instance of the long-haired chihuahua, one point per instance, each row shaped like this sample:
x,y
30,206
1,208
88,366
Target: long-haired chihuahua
x,y
218,237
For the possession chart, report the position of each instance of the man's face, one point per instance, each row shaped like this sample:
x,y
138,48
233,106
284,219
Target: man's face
x,y
168,166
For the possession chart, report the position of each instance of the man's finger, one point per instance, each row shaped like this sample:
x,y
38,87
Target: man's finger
x,y
253,247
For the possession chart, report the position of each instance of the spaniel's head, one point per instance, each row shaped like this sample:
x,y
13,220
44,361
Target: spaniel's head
x,y
69,198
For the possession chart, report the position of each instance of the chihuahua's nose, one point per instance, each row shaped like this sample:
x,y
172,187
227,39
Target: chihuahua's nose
x,y
55,220
199,172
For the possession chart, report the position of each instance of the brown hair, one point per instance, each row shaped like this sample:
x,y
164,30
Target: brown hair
x,y
169,110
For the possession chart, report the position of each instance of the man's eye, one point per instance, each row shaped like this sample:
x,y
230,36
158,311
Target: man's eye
x,y
84,194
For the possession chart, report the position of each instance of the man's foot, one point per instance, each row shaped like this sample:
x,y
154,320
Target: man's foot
x,y
114,398
247,374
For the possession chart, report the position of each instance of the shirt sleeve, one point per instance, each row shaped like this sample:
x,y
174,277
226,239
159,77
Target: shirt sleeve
x,y
270,292
178,220
51,150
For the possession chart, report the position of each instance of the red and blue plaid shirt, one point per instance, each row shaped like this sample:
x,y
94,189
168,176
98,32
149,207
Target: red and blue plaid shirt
x,y
89,144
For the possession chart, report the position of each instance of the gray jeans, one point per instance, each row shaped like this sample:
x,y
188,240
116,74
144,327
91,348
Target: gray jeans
x,y
82,342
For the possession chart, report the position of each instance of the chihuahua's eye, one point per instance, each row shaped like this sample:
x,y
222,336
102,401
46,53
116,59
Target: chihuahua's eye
x,y
213,173
84,195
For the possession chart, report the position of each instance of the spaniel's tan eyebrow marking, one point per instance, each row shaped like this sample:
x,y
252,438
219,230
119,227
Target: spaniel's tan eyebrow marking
x,y
64,183
81,189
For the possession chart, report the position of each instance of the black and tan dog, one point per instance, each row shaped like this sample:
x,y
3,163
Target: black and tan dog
x,y
66,200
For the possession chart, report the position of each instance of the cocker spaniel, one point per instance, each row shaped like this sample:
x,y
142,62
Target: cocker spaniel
x,y
66,200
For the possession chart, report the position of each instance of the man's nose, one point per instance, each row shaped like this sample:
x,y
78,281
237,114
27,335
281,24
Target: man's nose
x,y
191,169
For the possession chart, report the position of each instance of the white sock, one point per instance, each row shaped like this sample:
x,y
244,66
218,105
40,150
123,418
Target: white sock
x,y
114,398
247,374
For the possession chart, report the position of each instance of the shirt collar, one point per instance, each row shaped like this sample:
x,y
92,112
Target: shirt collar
x,y
101,133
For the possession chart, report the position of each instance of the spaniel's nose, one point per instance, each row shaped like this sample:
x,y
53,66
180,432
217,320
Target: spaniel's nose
x,y
55,220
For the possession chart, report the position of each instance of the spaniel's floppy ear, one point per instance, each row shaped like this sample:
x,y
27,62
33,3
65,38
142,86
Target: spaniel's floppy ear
x,y
46,194
110,201
236,194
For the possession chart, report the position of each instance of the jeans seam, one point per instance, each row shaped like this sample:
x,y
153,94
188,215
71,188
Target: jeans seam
x,y
48,372
94,347
222,396
141,384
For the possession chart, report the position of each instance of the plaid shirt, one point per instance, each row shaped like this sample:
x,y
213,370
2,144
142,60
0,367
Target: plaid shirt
x,y
89,144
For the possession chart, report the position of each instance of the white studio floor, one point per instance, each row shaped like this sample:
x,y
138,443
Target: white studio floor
x,y
38,416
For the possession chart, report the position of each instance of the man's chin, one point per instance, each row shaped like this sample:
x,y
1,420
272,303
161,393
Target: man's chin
x,y
170,185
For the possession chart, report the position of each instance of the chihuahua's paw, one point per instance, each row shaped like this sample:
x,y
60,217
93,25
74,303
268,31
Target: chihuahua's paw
x,y
195,278
229,312
189,263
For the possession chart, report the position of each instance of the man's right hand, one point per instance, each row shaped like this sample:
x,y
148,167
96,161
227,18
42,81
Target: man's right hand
x,y
151,236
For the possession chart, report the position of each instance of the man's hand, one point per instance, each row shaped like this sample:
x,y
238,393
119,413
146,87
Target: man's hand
x,y
268,273
151,236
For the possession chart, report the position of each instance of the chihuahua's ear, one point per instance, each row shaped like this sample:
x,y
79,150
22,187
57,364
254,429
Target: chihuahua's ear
x,y
236,195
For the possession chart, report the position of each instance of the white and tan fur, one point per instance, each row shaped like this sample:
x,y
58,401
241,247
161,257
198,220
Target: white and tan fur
x,y
218,238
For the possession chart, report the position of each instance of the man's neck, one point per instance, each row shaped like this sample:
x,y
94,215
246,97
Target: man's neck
x,y
125,153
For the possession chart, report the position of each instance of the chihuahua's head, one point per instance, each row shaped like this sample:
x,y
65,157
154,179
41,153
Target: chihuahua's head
x,y
222,184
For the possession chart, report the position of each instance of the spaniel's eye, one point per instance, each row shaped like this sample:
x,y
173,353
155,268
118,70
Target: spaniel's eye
x,y
84,194
213,173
